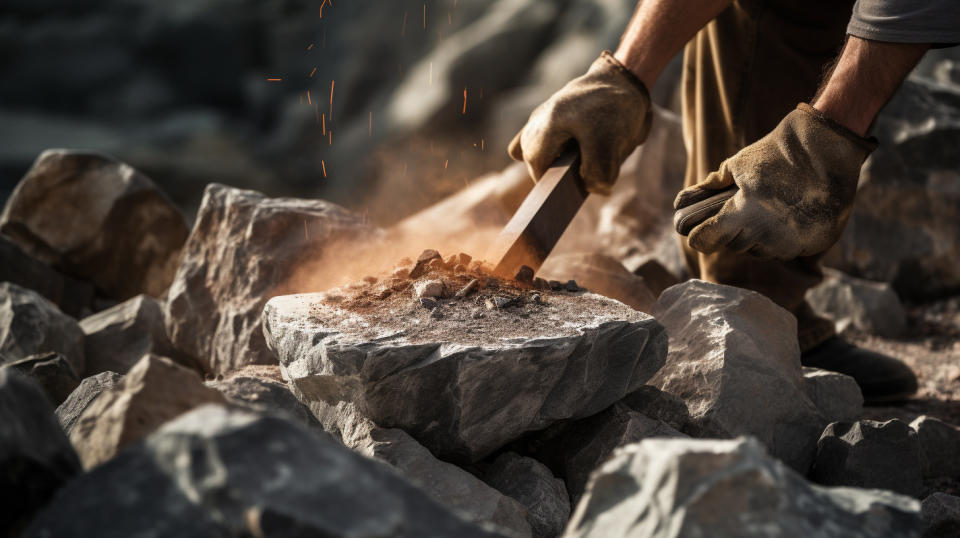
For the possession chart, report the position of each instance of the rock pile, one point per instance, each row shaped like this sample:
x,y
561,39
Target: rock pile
x,y
434,399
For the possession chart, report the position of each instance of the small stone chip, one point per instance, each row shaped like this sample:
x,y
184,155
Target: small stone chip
x,y
428,288
464,259
418,270
468,289
427,255
571,285
428,303
541,284
524,274
556,285
437,263
535,297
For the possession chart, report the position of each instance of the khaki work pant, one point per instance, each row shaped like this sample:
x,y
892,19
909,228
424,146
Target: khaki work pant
x,y
742,74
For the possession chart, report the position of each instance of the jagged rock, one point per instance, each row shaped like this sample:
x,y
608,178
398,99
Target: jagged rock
x,y
86,392
123,234
427,289
71,295
735,361
262,389
154,391
872,307
217,472
52,371
243,249
939,447
531,483
120,336
869,454
30,324
837,396
903,228
603,275
941,513
36,458
446,483
574,357
731,488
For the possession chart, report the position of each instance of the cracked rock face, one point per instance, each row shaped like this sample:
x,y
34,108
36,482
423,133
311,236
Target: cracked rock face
x,y
30,324
242,247
471,379
735,361
720,489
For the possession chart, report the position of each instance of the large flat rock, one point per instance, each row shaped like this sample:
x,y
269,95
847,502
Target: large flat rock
x,y
462,379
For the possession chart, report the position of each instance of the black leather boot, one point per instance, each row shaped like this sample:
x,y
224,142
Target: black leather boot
x,y
882,379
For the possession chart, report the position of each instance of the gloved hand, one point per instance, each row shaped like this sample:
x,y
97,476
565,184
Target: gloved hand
x,y
797,186
607,112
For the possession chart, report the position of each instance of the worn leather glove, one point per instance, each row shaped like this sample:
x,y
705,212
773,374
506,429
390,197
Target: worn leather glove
x,y
797,186
607,112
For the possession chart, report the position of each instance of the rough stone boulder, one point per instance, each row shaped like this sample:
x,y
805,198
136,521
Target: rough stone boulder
x,y
218,473
939,447
531,483
30,324
735,361
242,249
118,337
86,392
869,454
52,371
941,513
732,488
444,482
872,307
98,219
154,391
837,396
72,296
463,379
36,458
262,389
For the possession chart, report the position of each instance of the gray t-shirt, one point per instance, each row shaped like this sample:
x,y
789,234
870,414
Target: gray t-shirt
x,y
907,21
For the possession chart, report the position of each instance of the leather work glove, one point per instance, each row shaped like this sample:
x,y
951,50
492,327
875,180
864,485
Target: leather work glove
x,y
797,186
607,112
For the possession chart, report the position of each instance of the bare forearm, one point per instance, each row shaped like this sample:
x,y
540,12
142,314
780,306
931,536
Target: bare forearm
x,y
658,31
864,78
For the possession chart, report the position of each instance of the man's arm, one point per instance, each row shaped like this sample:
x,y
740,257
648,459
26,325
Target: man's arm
x,y
864,78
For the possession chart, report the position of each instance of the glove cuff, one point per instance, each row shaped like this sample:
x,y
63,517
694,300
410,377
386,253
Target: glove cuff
x,y
867,144
608,58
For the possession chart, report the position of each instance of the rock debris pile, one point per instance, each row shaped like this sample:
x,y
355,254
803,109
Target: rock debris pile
x,y
219,396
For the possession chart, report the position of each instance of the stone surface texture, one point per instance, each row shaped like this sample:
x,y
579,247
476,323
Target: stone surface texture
x,y
154,391
869,454
530,482
941,513
124,234
116,338
71,295
735,361
217,473
446,483
86,392
837,396
242,249
52,371
36,458
603,275
939,447
730,488
872,307
586,353
30,324
262,389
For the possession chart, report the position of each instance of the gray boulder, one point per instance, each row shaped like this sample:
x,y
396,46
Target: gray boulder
x,y
577,356
444,482
837,396
262,389
52,371
72,296
30,324
939,447
116,338
153,392
99,219
872,307
246,475
244,248
691,488
36,458
941,513
86,392
869,454
530,482
734,360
